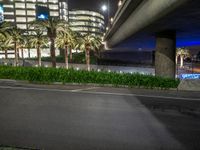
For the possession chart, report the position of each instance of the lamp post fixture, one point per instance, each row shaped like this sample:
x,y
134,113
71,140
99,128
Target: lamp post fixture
x,y
119,3
106,8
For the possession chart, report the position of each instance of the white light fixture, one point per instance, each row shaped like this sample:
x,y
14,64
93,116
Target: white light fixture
x,y
119,3
111,20
104,8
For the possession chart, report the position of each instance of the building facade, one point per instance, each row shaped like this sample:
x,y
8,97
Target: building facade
x,y
21,12
85,21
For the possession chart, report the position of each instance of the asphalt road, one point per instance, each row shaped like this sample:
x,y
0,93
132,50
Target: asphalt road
x,y
90,118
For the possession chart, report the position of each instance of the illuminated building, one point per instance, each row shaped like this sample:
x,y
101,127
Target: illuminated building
x,y
21,12
85,21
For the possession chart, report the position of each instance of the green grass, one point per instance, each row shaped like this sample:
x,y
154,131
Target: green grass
x,y
50,75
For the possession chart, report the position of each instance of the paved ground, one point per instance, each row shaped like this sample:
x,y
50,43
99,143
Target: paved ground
x,y
97,118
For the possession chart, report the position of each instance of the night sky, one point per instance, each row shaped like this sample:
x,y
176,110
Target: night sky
x,y
93,5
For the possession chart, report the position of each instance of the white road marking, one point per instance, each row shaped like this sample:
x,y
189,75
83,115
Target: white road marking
x,y
102,93
139,95
82,89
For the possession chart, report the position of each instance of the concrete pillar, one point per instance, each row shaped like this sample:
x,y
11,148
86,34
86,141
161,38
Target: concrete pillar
x,y
165,65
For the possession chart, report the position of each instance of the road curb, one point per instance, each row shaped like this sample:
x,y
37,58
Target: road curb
x,y
86,84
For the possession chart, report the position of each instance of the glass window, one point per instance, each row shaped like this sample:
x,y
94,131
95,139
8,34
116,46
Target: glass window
x,y
8,6
22,26
20,19
53,1
8,13
30,0
31,19
20,12
19,5
54,13
31,12
53,7
30,6
10,20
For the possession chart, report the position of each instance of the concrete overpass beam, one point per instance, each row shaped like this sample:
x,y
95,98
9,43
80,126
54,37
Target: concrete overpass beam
x,y
144,15
165,65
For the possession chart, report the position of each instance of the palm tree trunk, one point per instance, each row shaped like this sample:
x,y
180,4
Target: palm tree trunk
x,y
70,54
181,61
66,57
22,53
29,53
88,58
176,59
53,53
6,54
39,56
17,57
16,54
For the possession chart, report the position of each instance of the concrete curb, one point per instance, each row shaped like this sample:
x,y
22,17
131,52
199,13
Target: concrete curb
x,y
85,84
189,85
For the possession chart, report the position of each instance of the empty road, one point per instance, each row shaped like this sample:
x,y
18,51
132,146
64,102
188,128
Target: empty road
x,y
96,118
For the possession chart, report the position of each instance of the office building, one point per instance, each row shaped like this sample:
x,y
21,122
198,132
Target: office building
x,y
21,12
85,21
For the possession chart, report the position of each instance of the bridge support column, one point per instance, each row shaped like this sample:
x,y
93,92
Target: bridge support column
x,y
165,65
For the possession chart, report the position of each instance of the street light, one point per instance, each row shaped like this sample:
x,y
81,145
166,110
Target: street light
x,y
104,8
119,3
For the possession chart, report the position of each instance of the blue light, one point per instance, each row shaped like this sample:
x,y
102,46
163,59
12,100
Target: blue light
x,y
1,13
190,76
42,16
189,42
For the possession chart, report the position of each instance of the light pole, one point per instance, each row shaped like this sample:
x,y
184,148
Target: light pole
x,y
106,8
108,2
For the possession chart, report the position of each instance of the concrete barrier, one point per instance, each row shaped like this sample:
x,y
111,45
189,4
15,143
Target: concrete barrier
x,y
189,85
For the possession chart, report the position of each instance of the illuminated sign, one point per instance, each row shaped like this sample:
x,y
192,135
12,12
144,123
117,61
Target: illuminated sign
x,y
1,13
190,76
42,13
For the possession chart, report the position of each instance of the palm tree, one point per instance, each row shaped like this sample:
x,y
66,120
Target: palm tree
x,y
52,25
4,45
37,40
4,27
73,41
89,42
65,40
15,37
22,45
182,53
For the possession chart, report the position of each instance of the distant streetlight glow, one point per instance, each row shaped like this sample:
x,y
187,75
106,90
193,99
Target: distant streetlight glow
x,y
104,8
119,3
111,20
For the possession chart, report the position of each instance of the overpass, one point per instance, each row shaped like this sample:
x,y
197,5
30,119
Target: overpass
x,y
156,24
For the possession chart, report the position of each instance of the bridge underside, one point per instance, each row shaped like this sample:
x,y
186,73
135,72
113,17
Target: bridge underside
x,y
184,21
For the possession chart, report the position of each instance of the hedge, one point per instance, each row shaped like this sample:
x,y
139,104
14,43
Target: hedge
x,y
50,75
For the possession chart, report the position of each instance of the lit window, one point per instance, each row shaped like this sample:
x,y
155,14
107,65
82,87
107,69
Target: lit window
x,y
31,12
20,12
30,5
21,19
19,5
52,13
21,26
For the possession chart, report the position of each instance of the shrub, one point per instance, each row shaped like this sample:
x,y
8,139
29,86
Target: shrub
x,y
49,75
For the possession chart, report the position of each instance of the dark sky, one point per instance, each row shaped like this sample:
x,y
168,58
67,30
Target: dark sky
x,y
93,5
